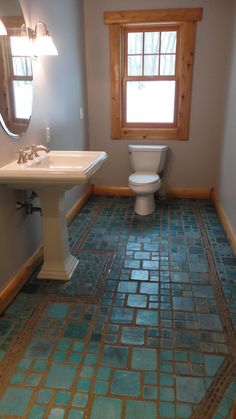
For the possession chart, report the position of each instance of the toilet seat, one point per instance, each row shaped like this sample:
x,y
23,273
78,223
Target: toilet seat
x,y
143,178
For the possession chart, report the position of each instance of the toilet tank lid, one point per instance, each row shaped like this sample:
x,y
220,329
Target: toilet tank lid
x,y
134,147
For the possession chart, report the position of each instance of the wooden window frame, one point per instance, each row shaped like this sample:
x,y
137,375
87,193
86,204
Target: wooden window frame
x,y
185,21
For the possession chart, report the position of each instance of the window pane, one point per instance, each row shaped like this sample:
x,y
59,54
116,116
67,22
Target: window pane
x,y
167,67
22,98
22,66
135,65
135,43
168,42
20,45
150,101
151,65
151,42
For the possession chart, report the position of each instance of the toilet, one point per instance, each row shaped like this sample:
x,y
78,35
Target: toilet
x,y
146,161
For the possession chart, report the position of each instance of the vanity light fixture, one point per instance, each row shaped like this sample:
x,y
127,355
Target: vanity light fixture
x,y
42,41
3,30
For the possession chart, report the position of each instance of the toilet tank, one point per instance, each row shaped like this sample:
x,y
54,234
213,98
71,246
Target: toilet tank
x,y
147,158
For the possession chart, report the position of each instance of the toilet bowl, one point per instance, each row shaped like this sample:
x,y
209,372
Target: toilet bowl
x,y
147,161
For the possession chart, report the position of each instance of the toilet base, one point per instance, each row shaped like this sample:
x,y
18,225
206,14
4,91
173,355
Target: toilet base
x,y
144,204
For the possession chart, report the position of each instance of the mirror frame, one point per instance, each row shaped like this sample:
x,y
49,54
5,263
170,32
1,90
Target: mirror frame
x,y
8,121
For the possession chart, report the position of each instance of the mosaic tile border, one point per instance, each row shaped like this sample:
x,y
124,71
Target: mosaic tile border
x,y
227,371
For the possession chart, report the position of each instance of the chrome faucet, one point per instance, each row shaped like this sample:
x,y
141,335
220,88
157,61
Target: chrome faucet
x,y
34,150
30,153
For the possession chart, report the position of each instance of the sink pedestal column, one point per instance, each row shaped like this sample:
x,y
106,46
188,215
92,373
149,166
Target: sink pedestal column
x,y
58,261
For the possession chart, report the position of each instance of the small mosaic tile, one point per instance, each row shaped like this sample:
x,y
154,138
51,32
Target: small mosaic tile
x,y
60,376
122,315
126,383
37,412
140,409
115,356
15,401
62,397
79,400
137,300
56,413
76,330
101,387
106,408
44,396
40,348
144,359
147,318
133,335
190,390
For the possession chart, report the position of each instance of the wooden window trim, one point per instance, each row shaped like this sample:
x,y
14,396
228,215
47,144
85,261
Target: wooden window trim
x,y
186,19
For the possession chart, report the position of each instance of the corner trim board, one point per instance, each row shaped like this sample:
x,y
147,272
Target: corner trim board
x,y
231,236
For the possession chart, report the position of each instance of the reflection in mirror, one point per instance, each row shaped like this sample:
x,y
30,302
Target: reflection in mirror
x,y
16,90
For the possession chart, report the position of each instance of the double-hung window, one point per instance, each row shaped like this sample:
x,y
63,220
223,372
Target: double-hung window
x,y
150,77
151,62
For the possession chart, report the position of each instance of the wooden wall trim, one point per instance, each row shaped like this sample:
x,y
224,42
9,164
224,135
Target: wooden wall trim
x,y
224,220
79,204
194,193
9,292
173,192
153,15
234,410
112,190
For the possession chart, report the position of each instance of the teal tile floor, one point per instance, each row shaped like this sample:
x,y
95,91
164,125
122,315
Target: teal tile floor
x,y
145,328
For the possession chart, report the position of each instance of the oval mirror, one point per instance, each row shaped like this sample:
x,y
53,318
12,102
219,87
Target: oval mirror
x,y
16,74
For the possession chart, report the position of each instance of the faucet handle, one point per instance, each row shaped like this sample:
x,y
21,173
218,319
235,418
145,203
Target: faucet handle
x,y
22,157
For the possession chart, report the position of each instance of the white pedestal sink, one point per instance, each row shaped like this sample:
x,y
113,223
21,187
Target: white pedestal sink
x,y
50,175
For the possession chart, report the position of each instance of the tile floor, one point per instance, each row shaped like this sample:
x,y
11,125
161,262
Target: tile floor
x,y
145,329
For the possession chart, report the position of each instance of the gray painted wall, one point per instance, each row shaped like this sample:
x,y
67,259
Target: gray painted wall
x,y
227,174
192,164
59,92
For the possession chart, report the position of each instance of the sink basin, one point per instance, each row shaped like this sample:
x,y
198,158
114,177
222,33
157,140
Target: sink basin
x,y
64,168
50,175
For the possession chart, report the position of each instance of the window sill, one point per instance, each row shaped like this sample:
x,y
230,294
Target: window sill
x,y
149,134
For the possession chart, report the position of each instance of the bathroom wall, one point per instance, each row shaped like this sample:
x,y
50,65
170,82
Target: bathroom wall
x,y
191,164
59,92
226,188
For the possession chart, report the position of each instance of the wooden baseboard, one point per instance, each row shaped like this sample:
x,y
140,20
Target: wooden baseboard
x,y
189,193
79,204
9,292
173,192
224,220
234,411
112,190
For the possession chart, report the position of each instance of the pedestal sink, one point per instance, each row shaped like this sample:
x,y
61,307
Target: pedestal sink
x,y
51,175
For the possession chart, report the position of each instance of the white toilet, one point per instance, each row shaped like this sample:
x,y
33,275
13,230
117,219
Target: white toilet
x,y
146,161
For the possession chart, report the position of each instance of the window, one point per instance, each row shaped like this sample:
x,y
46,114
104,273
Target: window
x,y
151,60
